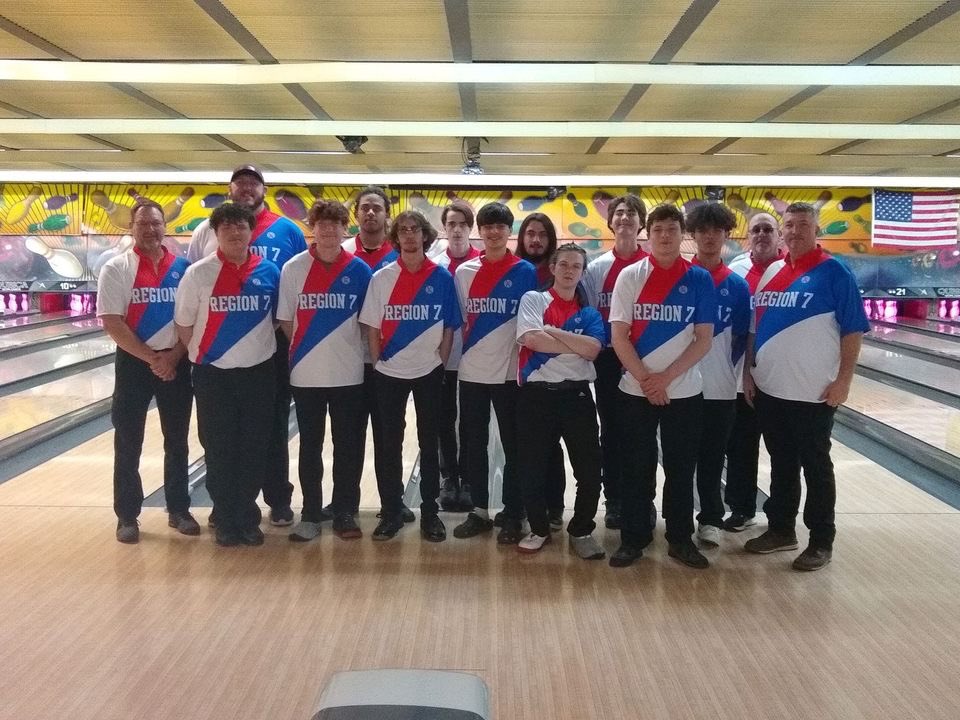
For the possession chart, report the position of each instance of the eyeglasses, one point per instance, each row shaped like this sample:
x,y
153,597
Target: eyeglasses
x,y
409,230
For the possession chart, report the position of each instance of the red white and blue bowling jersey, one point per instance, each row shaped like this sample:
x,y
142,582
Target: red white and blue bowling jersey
x,y
274,237
323,303
661,306
129,286
231,309
744,266
599,279
490,294
722,367
375,259
801,310
451,264
411,309
539,309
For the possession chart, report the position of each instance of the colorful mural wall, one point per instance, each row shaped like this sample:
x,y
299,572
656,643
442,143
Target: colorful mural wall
x,y
57,237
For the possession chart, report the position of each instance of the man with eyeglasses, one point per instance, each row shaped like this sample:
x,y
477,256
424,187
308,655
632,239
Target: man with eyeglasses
x,y
135,301
411,312
743,448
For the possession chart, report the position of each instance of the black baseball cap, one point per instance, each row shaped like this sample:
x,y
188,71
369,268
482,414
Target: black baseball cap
x,y
247,170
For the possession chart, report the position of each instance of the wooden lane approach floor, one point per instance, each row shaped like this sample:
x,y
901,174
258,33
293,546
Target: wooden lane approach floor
x,y
178,628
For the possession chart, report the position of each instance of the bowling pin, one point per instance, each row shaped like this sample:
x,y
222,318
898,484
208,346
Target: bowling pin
x,y
3,304
132,192
25,302
738,203
671,197
126,242
578,207
291,205
189,227
213,200
119,215
50,224
837,227
868,308
822,200
955,309
862,222
941,309
580,229
531,203
601,200
18,211
849,204
61,262
58,201
172,209
778,205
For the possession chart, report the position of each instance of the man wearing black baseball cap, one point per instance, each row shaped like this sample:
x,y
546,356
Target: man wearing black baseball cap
x,y
276,239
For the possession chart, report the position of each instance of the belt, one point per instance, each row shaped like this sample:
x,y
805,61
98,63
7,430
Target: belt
x,y
563,385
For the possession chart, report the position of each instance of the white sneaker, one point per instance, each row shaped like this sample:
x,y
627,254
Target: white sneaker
x,y
532,543
586,547
708,535
305,531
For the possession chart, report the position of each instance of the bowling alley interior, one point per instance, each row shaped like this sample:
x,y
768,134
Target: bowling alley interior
x,y
559,109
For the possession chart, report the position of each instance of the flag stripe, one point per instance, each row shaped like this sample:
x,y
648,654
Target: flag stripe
x,y
919,219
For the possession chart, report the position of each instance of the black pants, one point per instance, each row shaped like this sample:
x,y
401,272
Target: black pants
x,y
556,478
797,434
545,414
679,423
475,400
743,453
345,405
133,390
392,395
717,422
277,489
449,447
234,418
609,371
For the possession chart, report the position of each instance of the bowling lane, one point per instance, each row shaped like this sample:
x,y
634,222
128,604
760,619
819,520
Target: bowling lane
x,y
28,408
14,370
928,343
913,370
49,333
950,330
25,322
927,420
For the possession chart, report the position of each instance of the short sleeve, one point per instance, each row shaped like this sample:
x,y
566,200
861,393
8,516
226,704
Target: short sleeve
x,y
111,298
850,314
187,304
593,324
706,308
287,301
530,313
452,317
372,311
624,295
741,308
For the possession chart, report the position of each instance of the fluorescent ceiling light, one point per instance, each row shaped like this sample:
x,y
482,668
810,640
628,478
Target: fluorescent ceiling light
x,y
486,73
391,128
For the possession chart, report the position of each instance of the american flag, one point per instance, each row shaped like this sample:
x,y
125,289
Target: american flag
x,y
919,219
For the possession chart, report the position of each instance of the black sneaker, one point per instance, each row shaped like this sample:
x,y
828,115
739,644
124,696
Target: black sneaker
x,y
327,514
464,498
388,528
432,529
611,518
449,496
472,526
555,517
498,519
228,538
770,542
687,553
212,520
252,536
813,558
406,514
281,517
511,533
346,528
625,555
184,522
738,523
128,532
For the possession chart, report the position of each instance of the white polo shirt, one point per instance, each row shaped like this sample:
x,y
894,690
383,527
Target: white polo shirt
x,y
411,310
489,295
231,310
450,264
539,309
324,303
599,279
722,366
131,288
662,306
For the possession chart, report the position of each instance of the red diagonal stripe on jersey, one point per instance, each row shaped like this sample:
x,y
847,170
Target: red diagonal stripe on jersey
x,y
404,291
487,277
319,279
656,288
229,282
264,220
146,277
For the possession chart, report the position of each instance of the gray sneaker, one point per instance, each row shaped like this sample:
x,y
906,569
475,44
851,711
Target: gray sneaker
x,y
305,531
128,532
586,547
